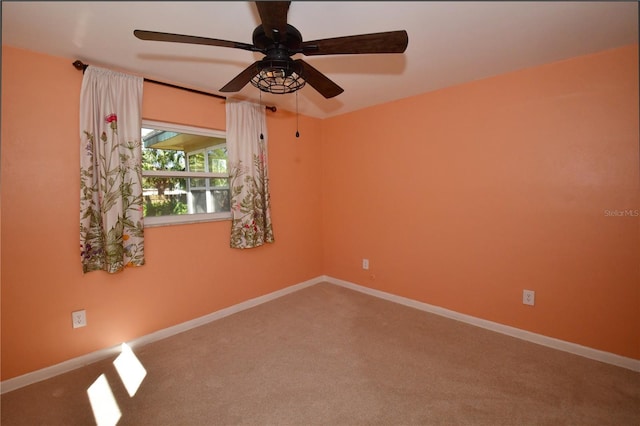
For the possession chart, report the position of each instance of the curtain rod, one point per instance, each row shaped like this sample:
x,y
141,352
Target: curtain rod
x,y
79,65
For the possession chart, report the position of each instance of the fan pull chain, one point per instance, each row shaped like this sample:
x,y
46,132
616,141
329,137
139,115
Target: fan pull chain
x,y
297,132
261,109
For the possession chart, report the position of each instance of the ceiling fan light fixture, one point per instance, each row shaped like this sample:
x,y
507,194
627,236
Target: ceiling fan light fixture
x,y
278,77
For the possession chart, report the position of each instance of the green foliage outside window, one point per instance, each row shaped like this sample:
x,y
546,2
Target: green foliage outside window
x,y
167,206
163,204
162,159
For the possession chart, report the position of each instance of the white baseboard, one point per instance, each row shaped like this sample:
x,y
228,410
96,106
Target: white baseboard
x,y
595,354
81,361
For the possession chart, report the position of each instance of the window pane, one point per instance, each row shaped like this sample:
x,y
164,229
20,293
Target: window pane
x,y
180,150
219,183
217,160
164,196
221,200
196,162
197,183
162,159
199,204
167,197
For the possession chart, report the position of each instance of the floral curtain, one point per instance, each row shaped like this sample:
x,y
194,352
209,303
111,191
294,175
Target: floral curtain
x,y
111,217
247,153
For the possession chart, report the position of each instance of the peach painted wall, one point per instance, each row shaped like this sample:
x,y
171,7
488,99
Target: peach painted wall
x,y
460,198
190,270
463,197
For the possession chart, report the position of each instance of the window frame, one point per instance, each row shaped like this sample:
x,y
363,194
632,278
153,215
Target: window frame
x,y
152,221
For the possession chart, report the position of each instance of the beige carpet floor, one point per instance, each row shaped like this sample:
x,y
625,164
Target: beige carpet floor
x,y
327,355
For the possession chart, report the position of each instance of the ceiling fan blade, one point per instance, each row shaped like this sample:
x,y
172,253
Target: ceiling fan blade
x,y
273,15
386,42
179,38
319,81
242,79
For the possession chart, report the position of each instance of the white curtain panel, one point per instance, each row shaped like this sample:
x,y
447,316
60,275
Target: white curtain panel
x,y
249,173
111,215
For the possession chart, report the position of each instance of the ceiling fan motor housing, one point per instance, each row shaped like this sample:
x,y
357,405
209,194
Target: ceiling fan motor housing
x,y
291,39
278,72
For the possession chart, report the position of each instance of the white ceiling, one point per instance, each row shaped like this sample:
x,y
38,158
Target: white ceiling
x,y
449,42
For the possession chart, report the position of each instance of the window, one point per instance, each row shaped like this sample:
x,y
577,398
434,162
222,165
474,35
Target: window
x,y
184,174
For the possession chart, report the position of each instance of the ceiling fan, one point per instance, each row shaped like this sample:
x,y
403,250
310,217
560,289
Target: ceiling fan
x,y
277,72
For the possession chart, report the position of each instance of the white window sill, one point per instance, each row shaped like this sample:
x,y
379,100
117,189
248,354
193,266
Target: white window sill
x,y
156,221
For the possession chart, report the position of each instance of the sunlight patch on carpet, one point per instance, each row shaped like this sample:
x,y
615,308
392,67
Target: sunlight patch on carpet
x,y
104,405
130,369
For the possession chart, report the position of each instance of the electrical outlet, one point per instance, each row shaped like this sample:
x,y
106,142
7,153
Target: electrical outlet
x,y
365,263
528,297
79,318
